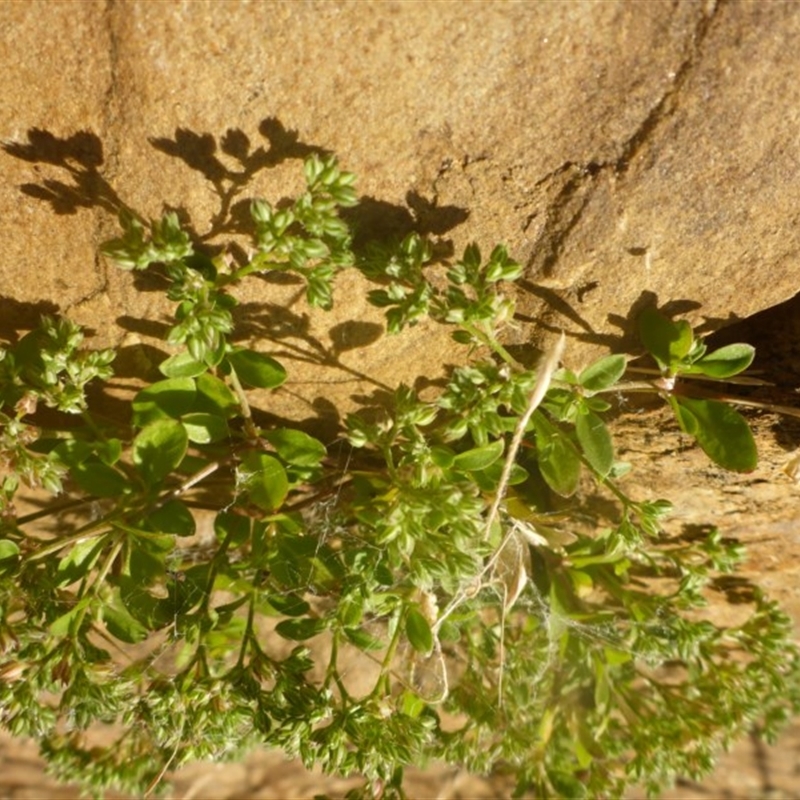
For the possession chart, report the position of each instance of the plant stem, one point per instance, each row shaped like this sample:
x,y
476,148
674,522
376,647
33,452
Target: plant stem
x,y
491,342
249,427
390,653
545,373
248,631
255,265
548,366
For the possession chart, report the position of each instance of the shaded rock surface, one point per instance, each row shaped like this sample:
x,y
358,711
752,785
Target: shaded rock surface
x,y
625,152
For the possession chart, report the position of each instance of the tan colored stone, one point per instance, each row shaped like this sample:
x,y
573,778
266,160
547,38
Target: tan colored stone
x,y
624,151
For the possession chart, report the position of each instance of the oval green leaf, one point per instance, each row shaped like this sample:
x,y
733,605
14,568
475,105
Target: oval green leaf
x,y
595,441
100,480
289,604
173,517
122,625
9,556
487,480
296,447
164,399
72,451
725,362
723,433
205,428
603,373
152,612
686,419
442,456
350,611
214,397
298,630
479,457
61,626
181,365
363,640
265,480
418,631
256,369
231,527
80,559
109,451
667,341
159,448
559,464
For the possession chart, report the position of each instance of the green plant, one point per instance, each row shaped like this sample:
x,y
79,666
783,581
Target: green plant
x,y
567,655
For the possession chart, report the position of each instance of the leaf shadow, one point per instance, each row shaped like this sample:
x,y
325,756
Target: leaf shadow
x,y
559,314
81,156
229,162
17,315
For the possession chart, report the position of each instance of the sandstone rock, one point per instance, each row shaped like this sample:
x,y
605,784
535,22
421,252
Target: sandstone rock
x,y
626,152
618,149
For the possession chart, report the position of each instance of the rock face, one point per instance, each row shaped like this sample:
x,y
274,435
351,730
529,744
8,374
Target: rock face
x,y
618,149
624,152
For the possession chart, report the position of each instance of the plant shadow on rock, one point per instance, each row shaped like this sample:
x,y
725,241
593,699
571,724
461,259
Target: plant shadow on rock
x,y
18,316
558,315
229,163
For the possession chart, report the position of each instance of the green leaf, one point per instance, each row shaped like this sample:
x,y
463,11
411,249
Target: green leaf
x,y
472,257
616,657
296,447
215,397
487,480
289,604
122,625
721,431
603,373
72,451
8,549
181,365
235,528
479,457
667,341
164,399
173,517
724,362
363,640
205,428
257,370
61,626
595,441
300,629
442,457
152,612
100,480
9,556
350,611
418,631
109,451
688,422
80,559
595,403
226,610
501,267
159,449
299,561
558,462
265,480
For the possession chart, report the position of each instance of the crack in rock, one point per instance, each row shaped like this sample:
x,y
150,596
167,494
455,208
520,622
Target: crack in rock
x,y
565,211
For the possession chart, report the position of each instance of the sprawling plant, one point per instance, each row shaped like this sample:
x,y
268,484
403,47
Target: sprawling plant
x,y
485,628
